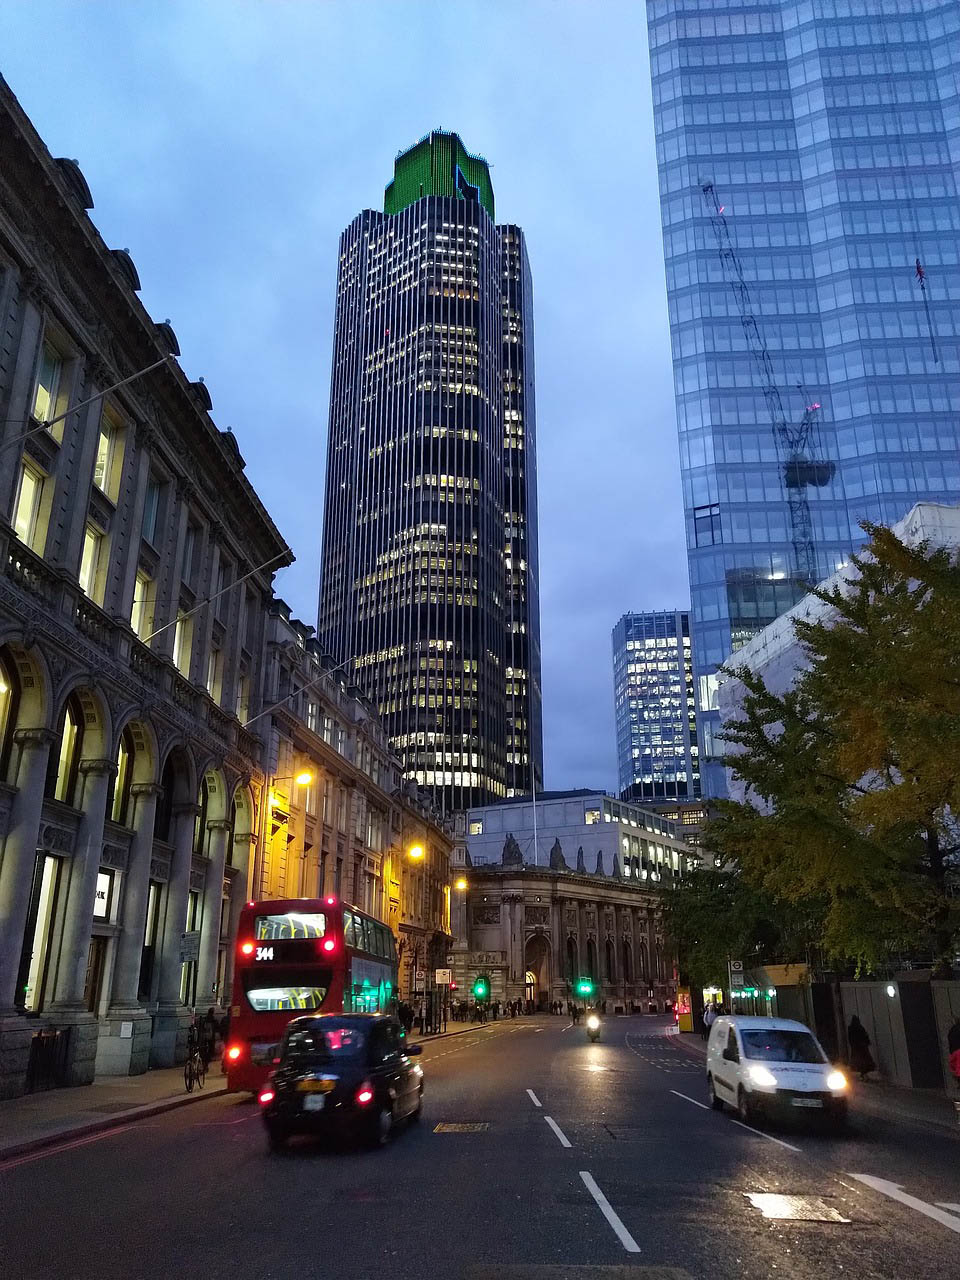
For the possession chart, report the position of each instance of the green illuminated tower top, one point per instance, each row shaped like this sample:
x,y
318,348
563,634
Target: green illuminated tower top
x,y
438,165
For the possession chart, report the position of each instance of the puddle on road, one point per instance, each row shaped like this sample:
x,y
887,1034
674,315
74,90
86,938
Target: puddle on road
x,y
794,1208
461,1128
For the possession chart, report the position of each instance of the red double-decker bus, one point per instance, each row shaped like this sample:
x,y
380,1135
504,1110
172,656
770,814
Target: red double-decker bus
x,y
302,955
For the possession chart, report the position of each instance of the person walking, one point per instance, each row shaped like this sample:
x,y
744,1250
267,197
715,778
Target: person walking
x,y
861,1060
709,1018
208,1036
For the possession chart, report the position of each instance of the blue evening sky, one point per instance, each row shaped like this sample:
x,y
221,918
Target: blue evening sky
x,y
227,144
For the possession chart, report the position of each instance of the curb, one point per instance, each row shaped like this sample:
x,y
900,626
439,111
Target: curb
x,y
117,1121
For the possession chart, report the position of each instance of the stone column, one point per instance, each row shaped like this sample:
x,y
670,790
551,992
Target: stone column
x,y
124,1044
19,855
166,1027
78,916
210,925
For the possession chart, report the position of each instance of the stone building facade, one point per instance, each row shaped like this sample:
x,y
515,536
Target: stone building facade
x,y
534,931
135,569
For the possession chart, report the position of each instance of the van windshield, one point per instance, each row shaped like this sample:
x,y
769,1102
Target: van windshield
x,y
781,1046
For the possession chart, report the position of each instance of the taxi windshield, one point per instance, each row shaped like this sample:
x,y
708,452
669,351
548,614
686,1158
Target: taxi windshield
x,y
778,1045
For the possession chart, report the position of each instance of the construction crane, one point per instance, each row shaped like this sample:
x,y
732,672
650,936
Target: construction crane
x,y
793,439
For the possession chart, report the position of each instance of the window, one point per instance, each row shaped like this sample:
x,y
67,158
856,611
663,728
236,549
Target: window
x,y
215,674
48,385
106,469
706,525
151,509
476,827
182,643
313,716
141,614
62,783
120,801
91,583
224,572
310,799
103,901
149,952
591,816
191,543
26,521
9,698
243,699
34,959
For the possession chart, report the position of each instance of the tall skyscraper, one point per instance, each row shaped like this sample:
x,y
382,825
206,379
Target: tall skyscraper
x,y
430,576
809,156
657,752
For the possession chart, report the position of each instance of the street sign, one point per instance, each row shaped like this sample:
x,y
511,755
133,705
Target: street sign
x,y
736,973
443,977
190,946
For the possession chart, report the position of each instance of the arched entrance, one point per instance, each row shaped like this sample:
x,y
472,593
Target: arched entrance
x,y
536,959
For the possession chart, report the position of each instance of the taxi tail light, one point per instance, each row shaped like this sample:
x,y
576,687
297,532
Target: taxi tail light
x,y
233,1053
365,1094
266,1096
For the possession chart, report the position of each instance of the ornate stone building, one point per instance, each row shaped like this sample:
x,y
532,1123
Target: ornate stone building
x,y
534,930
135,571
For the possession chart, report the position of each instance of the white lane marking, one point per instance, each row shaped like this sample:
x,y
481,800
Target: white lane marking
x,y
567,1027
564,1140
896,1192
534,1099
945,1204
621,1232
29,1157
702,1105
769,1137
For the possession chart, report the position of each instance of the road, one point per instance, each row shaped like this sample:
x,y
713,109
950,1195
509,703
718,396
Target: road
x,y
595,1161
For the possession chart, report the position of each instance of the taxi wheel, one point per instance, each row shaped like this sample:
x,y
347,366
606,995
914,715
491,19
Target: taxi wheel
x,y
715,1102
381,1126
276,1137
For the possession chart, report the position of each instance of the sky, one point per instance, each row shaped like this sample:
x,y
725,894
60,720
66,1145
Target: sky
x,y
227,145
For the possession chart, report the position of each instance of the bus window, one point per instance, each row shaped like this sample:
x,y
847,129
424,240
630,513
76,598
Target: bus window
x,y
286,999
349,930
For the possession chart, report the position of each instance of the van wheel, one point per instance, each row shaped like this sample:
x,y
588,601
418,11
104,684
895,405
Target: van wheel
x,y
715,1102
744,1107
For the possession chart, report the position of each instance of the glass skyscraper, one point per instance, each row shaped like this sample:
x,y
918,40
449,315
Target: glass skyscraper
x,y
429,582
657,755
808,154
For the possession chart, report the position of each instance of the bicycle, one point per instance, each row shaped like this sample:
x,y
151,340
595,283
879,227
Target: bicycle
x,y
194,1069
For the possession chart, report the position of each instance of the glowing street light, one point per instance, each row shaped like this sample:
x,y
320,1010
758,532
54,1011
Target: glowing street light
x,y
416,851
304,779
461,884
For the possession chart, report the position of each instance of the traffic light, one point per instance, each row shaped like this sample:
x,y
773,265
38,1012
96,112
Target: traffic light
x,y
481,988
584,988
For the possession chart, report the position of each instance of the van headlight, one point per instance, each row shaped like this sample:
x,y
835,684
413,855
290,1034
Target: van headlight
x,y
836,1082
763,1077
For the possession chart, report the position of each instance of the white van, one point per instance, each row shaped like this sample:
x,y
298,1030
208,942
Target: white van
x,y
765,1066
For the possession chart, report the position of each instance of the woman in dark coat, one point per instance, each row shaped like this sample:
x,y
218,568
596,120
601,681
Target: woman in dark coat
x,y
859,1041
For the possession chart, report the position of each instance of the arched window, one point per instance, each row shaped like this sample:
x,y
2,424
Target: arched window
x,y
65,757
200,825
163,821
9,702
592,960
119,806
610,957
572,965
627,961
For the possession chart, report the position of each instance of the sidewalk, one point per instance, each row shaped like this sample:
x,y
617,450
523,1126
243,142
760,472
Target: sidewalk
x,y
40,1119
872,1097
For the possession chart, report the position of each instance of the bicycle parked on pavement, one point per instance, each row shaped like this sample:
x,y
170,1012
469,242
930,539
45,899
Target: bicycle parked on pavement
x,y
194,1069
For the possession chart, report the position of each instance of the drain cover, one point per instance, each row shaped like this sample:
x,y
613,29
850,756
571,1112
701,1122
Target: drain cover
x,y
460,1128
797,1208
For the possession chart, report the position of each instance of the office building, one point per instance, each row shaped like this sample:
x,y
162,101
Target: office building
x,y
657,753
429,577
808,158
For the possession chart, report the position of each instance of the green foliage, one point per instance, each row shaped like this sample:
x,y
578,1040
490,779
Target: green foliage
x,y
856,770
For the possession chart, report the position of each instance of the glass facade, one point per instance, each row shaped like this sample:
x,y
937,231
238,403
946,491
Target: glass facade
x,y
657,752
808,154
429,570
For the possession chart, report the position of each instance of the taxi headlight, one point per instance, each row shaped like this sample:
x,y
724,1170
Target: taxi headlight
x,y
836,1081
763,1077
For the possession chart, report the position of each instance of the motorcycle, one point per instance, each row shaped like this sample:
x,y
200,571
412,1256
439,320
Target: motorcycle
x,y
593,1027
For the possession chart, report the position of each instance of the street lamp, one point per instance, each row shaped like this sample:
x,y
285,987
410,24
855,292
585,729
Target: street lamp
x,y
416,852
460,884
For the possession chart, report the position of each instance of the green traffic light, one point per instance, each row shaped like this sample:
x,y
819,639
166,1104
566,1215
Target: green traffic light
x,y
481,989
584,987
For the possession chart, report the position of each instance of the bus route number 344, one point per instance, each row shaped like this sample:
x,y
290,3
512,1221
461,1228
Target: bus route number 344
x,y
264,953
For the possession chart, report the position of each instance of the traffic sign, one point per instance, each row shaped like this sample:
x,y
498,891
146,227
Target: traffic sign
x,y
736,973
443,977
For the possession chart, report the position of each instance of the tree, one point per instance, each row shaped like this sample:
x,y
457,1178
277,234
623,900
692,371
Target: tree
x,y
855,770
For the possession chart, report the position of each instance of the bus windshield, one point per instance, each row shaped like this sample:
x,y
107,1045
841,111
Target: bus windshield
x,y
291,924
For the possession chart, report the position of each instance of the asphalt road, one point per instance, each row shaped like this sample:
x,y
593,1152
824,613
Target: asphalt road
x,y
595,1161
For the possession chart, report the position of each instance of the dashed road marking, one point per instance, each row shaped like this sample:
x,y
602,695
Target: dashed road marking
x,y
621,1232
534,1099
703,1106
564,1140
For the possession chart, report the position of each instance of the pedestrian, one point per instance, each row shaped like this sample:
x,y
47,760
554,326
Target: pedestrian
x,y
208,1036
859,1042
953,1049
709,1018
444,1015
